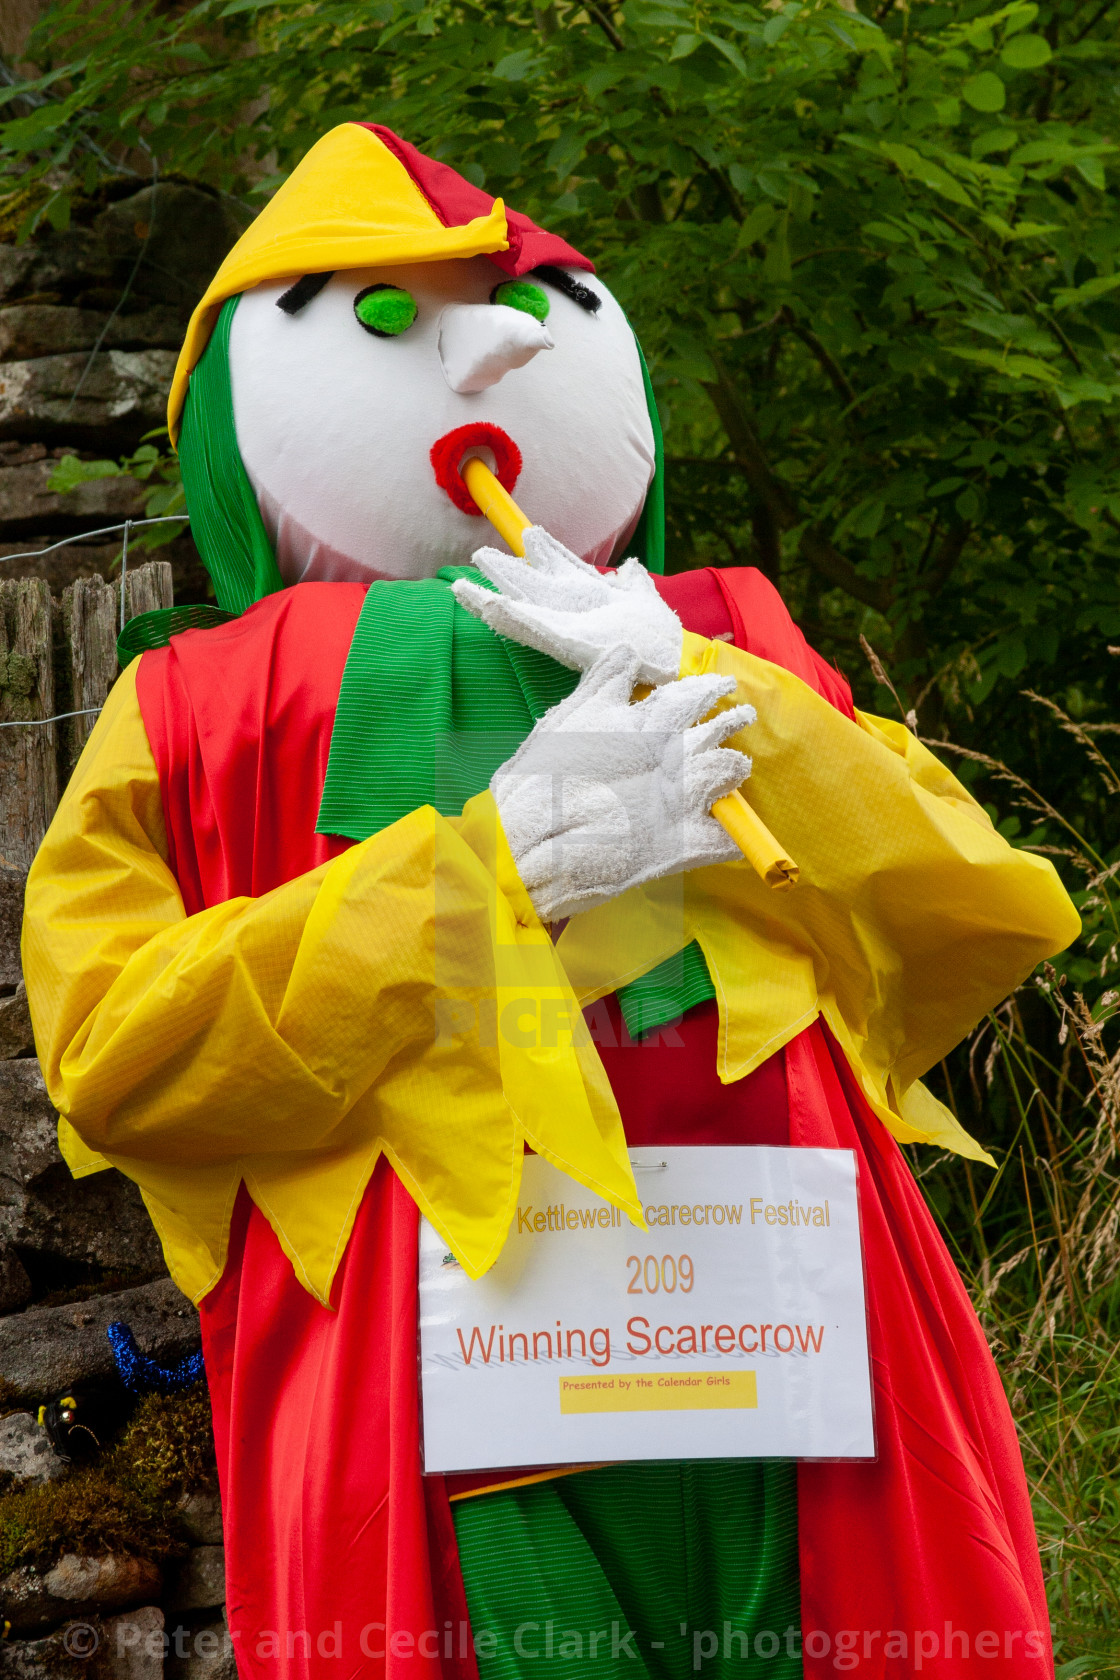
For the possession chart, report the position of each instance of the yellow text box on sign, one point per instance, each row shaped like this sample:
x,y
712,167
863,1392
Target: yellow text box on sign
x,y
687,1391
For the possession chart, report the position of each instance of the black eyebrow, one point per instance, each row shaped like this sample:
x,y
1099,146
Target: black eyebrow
x,y
575,289
294,299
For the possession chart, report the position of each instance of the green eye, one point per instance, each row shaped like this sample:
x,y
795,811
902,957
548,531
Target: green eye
x,y
523,295
385,311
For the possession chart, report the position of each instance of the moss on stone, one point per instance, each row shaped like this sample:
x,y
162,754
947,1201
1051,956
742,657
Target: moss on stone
x,y
126,1503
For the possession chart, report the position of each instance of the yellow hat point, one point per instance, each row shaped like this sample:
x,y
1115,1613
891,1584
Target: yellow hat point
x,y
349,203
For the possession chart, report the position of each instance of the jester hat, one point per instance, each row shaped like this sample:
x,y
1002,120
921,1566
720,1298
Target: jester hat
x,y
361,198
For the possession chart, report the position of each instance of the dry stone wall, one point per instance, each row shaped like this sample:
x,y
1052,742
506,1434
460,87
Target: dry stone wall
x,y
111,1562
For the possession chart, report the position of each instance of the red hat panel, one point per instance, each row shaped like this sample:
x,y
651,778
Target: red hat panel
x,y
456,202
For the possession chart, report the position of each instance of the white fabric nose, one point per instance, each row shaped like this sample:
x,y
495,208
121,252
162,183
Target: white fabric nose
x,y
480,342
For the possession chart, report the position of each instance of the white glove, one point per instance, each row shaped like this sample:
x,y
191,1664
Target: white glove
x,y
603,795
555,602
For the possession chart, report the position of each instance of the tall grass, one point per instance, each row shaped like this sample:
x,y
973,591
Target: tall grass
x,y
1039,1242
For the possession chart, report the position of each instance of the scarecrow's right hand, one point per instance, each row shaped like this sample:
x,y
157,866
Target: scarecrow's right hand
x,y
555,602
604,795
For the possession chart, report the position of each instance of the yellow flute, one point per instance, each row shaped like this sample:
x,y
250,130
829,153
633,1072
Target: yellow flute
x,y
769,859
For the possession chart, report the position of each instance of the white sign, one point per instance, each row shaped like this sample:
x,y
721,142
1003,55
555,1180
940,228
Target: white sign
x,y
735,1327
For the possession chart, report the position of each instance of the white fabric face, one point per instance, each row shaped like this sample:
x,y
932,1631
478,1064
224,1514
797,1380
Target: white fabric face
x,y
335,425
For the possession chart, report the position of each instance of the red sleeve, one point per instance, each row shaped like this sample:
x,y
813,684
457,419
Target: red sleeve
x,y
239,718
739,604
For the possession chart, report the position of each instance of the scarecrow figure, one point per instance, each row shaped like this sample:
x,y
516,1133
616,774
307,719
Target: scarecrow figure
x,y
311,851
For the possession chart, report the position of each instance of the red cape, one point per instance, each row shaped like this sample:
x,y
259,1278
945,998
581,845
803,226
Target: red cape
x,y
924,1560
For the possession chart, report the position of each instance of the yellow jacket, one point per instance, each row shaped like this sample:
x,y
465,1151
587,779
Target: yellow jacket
x,y
405,998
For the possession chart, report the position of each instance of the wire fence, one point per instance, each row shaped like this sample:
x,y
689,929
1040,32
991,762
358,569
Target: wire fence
x,y
32,723
126,525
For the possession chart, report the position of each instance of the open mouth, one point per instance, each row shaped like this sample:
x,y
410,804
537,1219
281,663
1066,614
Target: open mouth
x,y
450,451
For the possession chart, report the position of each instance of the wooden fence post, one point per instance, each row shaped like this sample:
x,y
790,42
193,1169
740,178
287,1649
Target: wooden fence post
x,y
39,681
28,757
148,588
89,622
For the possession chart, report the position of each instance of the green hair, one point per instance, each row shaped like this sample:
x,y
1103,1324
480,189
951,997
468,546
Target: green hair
x,y
648,541
226,522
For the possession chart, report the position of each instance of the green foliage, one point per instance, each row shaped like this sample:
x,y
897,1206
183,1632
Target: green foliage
x,y
72,471
151,465
125,1502
1039,1243
873,262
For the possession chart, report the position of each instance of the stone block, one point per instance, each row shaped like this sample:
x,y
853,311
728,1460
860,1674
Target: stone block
x,y
16,1036
201,1653
32,1600
15,1285
29,507
107,401
41,329
53,268
201,1517
28,1125
198,1582
33,269
54,1658
179,233
47,1350
128,1647
98,1221
132,1647
25,1450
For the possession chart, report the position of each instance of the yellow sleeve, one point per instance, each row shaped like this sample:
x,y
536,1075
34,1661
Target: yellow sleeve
x,y
254,1027
912,918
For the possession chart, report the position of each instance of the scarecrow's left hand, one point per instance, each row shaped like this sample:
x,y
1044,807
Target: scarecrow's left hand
x,y
555,602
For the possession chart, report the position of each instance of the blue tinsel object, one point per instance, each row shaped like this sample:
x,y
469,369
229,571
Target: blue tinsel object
x,y
146,1376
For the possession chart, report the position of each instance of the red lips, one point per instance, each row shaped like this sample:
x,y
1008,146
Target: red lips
x,y
448,451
